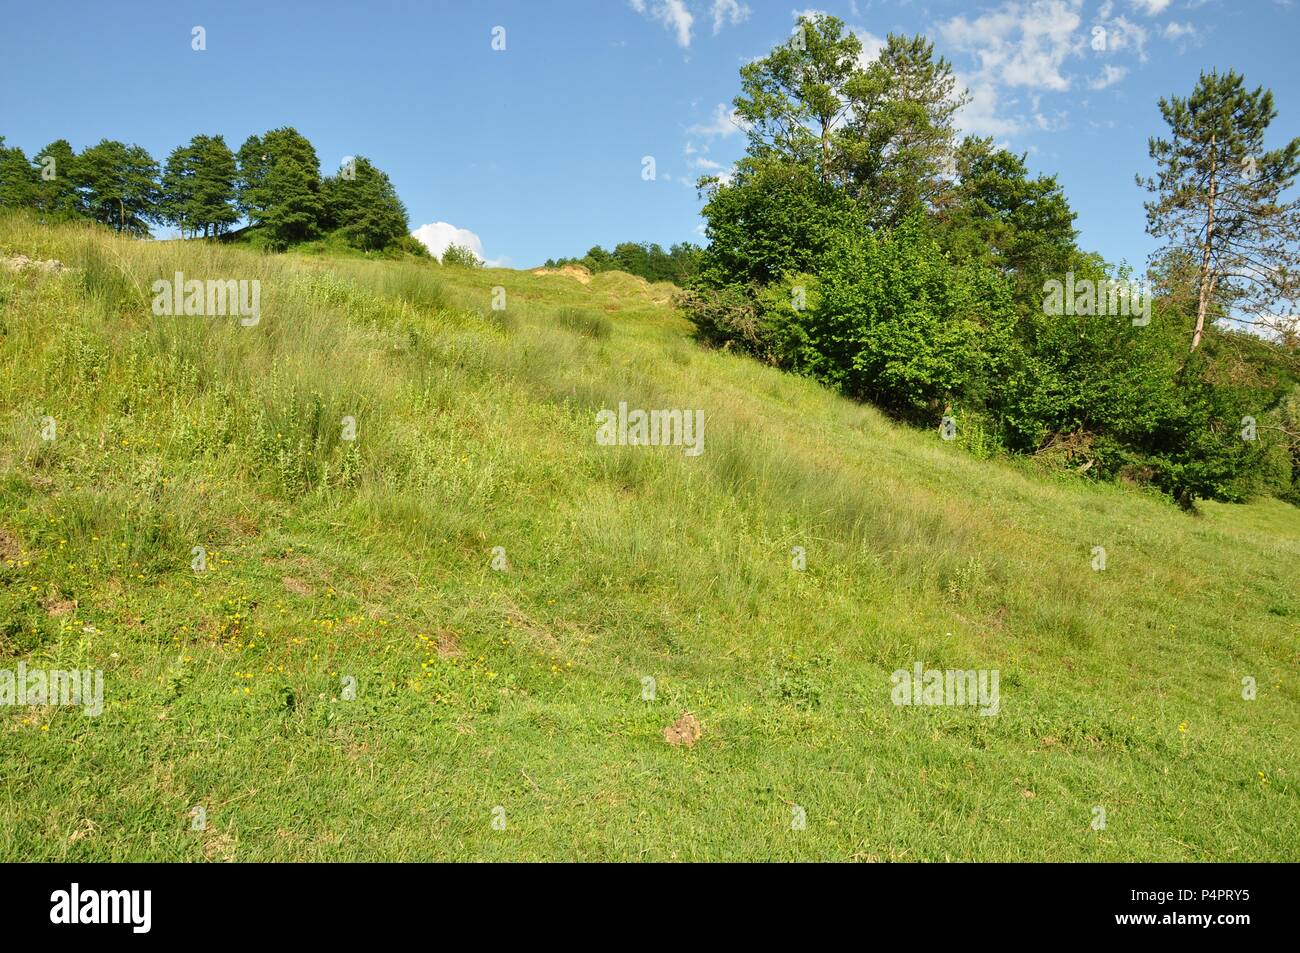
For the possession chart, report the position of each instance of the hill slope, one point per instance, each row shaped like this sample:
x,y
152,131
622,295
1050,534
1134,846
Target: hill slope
x,y
332,563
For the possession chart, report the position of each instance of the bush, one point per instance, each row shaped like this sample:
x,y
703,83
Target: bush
x,y
723,316
775,219
410,245
897,323
461,257
890,320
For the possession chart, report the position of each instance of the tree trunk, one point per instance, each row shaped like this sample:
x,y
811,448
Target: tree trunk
x,y
1207,280
826,150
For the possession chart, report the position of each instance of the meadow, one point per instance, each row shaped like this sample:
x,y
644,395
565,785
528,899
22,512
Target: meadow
x,y
354,674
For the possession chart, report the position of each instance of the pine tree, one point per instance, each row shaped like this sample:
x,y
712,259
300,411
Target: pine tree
x,y
901,138
279,185
1219,196
362,203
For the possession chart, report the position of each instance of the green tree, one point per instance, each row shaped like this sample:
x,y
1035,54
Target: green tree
x,y
215,185
646,260
793,99
1219,196
1000,217
120,185
775,217
176,198
460,256
58,186
895,322
19,182
899,142
362,203
280,186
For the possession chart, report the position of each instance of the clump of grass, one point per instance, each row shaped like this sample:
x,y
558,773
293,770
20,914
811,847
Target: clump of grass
x,y
585,322
413,283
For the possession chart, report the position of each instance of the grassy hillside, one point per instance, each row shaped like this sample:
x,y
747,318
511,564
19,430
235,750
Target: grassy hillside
x,y
476,688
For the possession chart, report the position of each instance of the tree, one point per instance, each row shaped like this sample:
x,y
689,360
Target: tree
x,y
999,216
774,218
364,205
896,322
793,100
1219,195
176,200
461,256
646,260
900,139
18,180
215,178
279,185
59,185
120,184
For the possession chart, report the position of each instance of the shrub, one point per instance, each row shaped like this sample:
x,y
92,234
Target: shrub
x,y
462,257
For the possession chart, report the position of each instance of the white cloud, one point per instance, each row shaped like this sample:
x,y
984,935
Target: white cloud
x,y
982,115
1021,44
728,11
1030,44
725,122
1119,32
1109,76
671,13
1185,35
871,46
439,236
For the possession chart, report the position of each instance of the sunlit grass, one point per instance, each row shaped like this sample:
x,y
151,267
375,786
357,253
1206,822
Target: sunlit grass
x,y
371,559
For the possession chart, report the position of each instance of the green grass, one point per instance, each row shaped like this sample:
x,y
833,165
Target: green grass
x,y
371,559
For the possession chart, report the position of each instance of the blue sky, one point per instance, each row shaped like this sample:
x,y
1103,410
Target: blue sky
x,y
537,149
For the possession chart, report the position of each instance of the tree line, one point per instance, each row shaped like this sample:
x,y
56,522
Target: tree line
x,y
647,260
860,241
273,182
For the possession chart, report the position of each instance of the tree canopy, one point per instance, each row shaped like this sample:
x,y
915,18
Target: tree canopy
x,y
204,190
860,241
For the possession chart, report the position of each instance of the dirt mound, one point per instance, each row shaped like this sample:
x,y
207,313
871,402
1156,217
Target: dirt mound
x,y
685,731
9,548
571,271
